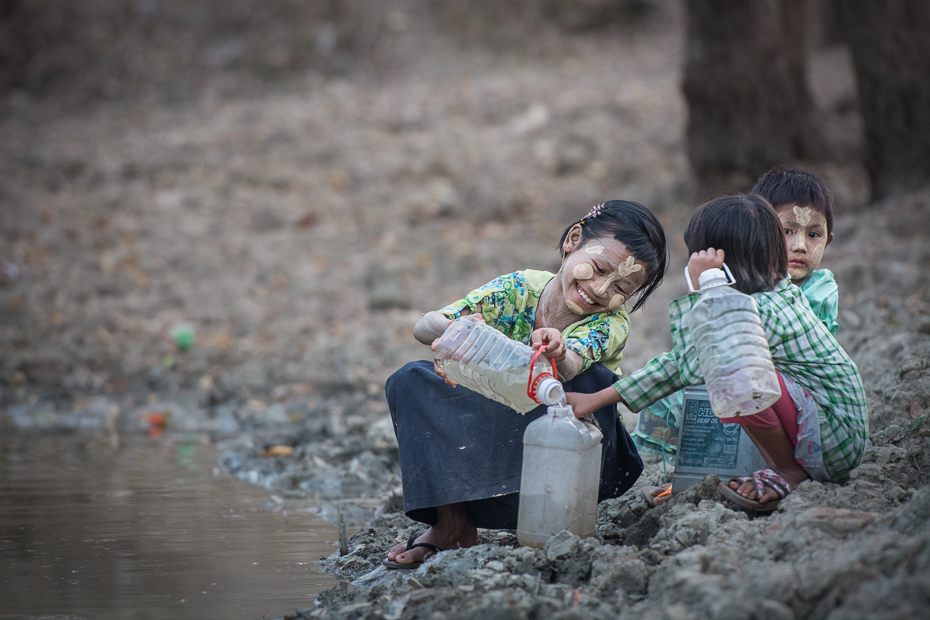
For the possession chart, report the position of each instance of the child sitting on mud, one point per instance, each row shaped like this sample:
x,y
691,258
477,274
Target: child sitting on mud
x,y
804,204
818,429
461,453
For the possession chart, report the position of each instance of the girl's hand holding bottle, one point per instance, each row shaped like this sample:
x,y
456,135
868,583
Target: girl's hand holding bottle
x,y
551,341
701,262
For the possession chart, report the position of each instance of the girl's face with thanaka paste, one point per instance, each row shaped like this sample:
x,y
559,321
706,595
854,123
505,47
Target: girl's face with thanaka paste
x,y
598,275
806,237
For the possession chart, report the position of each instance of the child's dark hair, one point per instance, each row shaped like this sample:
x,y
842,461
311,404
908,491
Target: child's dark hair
x,y
635,227
782,185
746,228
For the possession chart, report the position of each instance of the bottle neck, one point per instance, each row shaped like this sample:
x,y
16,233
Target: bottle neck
x,y
712,278
561,411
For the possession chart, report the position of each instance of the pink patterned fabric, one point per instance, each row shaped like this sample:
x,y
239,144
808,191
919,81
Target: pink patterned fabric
x,y
783,413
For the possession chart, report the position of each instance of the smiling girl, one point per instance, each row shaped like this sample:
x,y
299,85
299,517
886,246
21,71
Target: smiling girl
x,y
461,453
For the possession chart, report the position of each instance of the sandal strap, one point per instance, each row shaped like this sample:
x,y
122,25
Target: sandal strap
x,y
432,548
768,478
759,486
410,540
413,545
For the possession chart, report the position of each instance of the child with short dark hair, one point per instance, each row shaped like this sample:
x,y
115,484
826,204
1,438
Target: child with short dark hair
x,y
804,204
818,429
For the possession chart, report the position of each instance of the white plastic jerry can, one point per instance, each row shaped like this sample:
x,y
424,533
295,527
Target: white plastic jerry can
x,y
561,476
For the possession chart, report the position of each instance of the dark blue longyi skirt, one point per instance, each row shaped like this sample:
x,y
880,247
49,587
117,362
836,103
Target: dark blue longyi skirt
x,y
458,446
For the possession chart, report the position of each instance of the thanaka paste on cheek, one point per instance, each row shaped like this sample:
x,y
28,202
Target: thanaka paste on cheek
x,y
626,268
583,271
803,214
817,254
616,301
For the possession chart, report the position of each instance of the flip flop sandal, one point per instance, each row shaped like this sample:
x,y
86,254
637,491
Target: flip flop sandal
x,y
760,479
656,496
394,565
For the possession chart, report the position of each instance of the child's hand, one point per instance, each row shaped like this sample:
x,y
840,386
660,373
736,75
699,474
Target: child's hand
x,y
551,341
442,373
474,316
582,404
586,404
439,371
701,262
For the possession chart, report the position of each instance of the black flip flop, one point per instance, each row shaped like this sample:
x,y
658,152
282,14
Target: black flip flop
x,y
393,565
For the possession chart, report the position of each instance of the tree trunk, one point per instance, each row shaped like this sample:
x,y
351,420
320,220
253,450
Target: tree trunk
x,y
746,88
890,42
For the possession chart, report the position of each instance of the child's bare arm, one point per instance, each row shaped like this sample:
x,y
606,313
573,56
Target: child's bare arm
x,y
702,261
433,324
586,404
430,327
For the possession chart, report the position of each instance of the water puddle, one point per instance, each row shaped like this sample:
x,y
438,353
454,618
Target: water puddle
x,y
150,530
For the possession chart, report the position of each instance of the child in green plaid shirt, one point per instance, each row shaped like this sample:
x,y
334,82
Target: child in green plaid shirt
x,y
804,204
818,429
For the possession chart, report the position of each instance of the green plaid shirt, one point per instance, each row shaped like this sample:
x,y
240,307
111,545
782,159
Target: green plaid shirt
x,y
802,348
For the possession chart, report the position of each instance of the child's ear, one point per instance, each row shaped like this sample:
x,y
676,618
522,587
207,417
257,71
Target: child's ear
x,y
572,239
829,239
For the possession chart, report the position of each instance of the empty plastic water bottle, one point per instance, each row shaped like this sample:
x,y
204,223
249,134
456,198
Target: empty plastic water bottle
x,y
483,359
733,354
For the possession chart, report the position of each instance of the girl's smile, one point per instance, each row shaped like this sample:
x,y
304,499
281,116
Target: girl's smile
x,y
598,275
584,298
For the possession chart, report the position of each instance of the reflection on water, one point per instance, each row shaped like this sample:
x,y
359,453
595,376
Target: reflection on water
x,y
150,530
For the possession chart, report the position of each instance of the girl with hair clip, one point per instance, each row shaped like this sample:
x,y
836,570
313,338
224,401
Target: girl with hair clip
x,y
461,453
818,429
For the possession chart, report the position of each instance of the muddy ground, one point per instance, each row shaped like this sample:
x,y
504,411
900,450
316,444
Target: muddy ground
x,y
302,229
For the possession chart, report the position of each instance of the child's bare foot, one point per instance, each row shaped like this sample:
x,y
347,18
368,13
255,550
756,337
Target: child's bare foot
x,y
790,476
748,490
453,529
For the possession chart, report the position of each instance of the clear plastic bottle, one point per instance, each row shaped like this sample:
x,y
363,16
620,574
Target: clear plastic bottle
x,y
561,476
483,359
733,354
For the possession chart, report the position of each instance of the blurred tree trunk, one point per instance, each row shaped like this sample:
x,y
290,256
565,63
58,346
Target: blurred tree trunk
x,y
746,89
890,42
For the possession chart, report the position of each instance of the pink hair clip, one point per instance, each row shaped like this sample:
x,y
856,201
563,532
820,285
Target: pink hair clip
x,y
594,212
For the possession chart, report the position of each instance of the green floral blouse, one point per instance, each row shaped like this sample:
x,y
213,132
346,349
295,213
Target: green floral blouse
x,y
508,303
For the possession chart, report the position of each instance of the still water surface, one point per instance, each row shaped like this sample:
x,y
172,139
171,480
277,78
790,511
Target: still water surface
x,y
149,530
